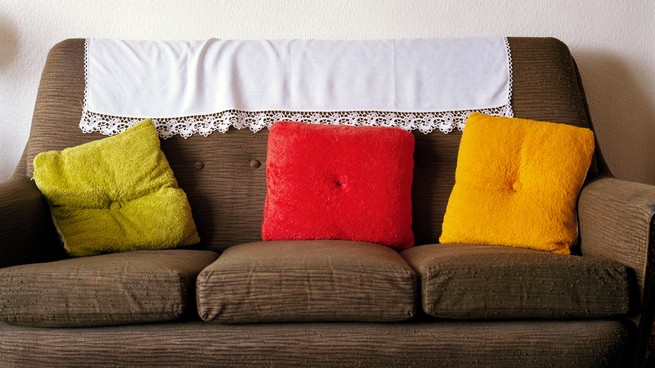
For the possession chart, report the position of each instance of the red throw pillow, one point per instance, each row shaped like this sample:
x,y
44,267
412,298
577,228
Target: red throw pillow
x,y
339,182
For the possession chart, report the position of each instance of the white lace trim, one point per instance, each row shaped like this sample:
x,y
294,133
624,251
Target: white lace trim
x,y
256,121
204,125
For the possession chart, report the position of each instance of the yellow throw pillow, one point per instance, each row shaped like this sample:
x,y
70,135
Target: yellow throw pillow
x,y
115,194
517,182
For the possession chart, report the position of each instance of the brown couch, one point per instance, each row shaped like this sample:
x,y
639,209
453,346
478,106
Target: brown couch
x,y
537,310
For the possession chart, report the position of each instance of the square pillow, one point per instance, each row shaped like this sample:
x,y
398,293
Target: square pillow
x,y
517,182
339,182
115,194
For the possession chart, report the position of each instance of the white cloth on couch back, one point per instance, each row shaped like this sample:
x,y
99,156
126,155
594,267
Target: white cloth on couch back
x,y
186,86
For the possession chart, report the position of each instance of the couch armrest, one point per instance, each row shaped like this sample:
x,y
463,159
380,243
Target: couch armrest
x,y
26,231
616,222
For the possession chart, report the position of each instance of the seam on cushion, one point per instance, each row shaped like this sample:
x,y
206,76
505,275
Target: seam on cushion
x,y
401,274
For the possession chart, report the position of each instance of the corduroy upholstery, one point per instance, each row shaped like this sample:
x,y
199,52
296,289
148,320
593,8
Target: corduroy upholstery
x,y
26,224
224,178
429,344
492,282
296,281
110,289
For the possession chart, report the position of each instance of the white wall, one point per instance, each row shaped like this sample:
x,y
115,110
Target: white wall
x,y
613,42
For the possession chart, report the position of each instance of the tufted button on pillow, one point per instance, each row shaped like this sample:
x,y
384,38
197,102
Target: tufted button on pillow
x,y
517,186
255,164
341,182
199,165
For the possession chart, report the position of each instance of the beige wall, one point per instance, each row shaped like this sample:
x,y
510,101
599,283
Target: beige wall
x,y
613,42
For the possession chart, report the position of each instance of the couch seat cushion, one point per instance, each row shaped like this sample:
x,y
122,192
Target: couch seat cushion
x,y
317,280
111,289
492,282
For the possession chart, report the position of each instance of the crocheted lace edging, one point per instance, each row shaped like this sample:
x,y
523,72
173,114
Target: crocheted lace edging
x,y
256,121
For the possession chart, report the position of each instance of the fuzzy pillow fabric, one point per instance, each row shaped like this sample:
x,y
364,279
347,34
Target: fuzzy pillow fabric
x,y
517,182
115,194
339,182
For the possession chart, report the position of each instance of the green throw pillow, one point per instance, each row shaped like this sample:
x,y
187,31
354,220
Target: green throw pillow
x,y
115,194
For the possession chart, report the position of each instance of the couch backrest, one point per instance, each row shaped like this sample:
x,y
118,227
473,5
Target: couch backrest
x,y
224,174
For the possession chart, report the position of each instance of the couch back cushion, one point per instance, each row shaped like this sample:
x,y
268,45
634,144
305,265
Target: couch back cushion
x,y
224,175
